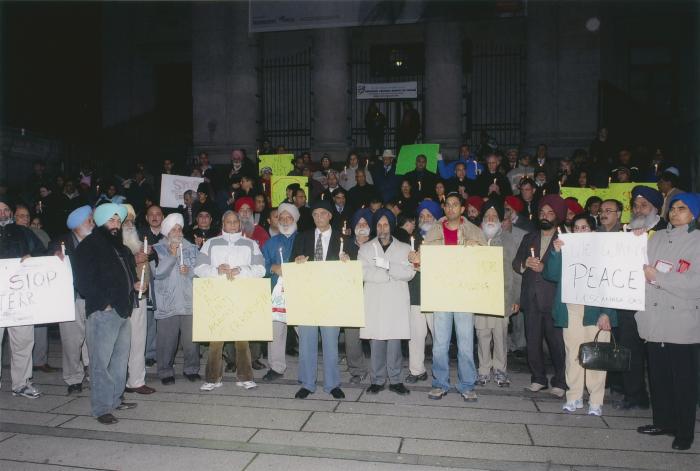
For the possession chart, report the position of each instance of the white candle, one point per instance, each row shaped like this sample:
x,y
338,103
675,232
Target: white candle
x,y
281,257
476,168
345,226
559,230
143,274
63,248
341,247
345,169
413,244
494,181
367,162
624,227
182,257
488,242
532,252
145,244
419,185
264,188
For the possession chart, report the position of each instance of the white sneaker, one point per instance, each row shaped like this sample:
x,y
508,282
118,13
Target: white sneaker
x,y
594,409
28,391
571,406
246,384
557,392
211,386
535,387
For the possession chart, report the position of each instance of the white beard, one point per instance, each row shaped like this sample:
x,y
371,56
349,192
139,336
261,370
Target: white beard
x,y
490,229
247,226
364,232
644,222
174,240
130,237
425,227
288,230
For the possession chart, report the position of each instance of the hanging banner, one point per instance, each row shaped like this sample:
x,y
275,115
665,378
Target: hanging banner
x,y
387,91
36,291
604,269
173,188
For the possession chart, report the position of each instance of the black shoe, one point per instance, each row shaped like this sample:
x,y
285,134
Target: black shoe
x,y
107,419
192,377
682,443
654,430
399,389
150,362
75,388
258,365
272,375
626,404
337,393
168,380
374,388
303,393
126,406
411,379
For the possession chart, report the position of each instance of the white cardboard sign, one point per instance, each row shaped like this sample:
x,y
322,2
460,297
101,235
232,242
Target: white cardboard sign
x,y
173,187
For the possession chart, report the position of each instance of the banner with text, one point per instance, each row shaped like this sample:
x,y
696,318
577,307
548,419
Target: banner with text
x,y
173,187
387,91
604,269
36,291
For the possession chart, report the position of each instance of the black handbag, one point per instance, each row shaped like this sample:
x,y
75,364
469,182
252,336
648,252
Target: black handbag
x,y
604,356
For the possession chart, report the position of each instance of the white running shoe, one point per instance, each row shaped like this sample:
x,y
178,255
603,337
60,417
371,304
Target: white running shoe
x,y
28,391
571,406
211,386
246,384
594,409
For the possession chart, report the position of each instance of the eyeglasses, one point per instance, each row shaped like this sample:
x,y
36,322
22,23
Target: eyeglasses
x,y
609,211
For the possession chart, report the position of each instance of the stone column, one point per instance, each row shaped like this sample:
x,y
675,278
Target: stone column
x,y
330,76
443,86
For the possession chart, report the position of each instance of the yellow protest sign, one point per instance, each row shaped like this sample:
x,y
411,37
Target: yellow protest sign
x,y
279,188
281,164
326,294
462,279
581,194
228,310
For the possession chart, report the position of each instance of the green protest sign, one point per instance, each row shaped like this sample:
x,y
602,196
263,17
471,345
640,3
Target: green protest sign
x,y
408,154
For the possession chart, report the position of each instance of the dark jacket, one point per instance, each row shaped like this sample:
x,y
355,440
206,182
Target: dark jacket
x,y
105,275
360,196
18,241
305,244
414,284
485,180
387,182
427,180
537,294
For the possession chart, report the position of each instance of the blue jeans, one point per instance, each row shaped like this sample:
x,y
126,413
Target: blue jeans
x,y
442,334
308,357
109,341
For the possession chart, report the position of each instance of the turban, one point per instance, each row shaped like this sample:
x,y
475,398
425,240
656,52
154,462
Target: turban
x,y
573,206
244,200
494,203
364,213
556,203
104,213
432,206
170,222
289,208
475,201
691,200
381,212
651,195
515,203
129,210
78,216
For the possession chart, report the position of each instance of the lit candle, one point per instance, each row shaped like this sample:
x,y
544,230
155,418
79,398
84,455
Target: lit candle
x,y
63,249
40,209
476,168
419,185
624,227
281,257
322,195
532,252
656,168
341,248
97,189
413,244
345,226
145,244
367,162
264,188
488,242
530,216
182,257
143,275
558,230
544,192
609,180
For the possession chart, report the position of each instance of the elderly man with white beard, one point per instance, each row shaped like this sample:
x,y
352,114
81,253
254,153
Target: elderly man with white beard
x,y
136,380
646,206
277,250
231,255
73,343
173,292
492,366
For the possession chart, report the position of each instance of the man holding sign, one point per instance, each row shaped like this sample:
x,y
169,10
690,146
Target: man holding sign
x,y
17,242
455,230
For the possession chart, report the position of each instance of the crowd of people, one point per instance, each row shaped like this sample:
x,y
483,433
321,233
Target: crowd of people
x,y
134,263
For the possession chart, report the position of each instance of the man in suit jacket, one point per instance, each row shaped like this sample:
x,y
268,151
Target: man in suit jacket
x,y
537,295
319,244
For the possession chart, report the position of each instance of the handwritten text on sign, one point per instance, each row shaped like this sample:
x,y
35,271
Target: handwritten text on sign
x,y
173,188
230,310
462,279
604,269
36,291
324,293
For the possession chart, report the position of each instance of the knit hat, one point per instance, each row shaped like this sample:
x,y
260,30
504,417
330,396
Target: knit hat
x,y
381,212
651,195
494,203
515,203
244,200
432,206
573,206
475,201
322,204
104,213
289,208
556,203
364,213
129,210
203,188
170,221
690,199
78,216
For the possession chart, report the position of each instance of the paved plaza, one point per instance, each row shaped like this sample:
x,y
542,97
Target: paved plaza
x,y
230,428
